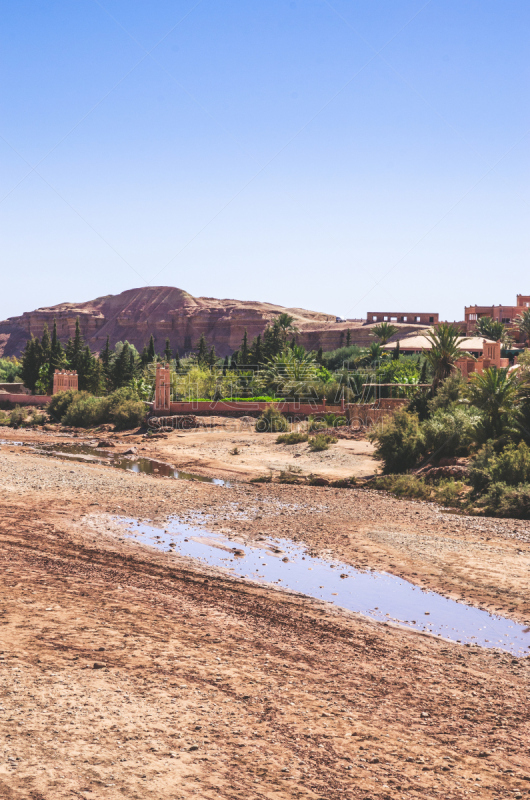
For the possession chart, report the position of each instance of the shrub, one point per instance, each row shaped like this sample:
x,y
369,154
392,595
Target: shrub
x,y
295,437
128,414
321,442
85,411
18,416
330,420
449,392
447,491
60,402
510,467
450,432
4,418
502,500
272,420
400,443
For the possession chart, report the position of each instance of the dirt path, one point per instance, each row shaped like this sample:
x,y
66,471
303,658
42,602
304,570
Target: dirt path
x,y
213,688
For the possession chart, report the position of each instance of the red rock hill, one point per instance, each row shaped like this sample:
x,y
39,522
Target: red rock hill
x,y
167,312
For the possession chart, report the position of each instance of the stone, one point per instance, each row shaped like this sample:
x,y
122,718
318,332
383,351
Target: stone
x,y
99,665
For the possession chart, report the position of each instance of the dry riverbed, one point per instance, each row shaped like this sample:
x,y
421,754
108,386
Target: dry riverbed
x,y
128,672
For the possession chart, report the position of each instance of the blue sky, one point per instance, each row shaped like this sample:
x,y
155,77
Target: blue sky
x,y
341,156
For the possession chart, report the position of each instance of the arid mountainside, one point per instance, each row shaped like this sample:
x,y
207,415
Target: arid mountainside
x,y
167,312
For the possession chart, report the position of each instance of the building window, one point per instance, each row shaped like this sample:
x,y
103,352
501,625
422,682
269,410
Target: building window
x,y
505,320
418,319
472,317
431,319
374,318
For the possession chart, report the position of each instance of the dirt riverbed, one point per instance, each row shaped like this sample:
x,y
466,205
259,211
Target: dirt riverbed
x,y
129,672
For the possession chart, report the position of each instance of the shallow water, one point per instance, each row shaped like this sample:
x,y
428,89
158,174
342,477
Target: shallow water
x,y
99,455
378,595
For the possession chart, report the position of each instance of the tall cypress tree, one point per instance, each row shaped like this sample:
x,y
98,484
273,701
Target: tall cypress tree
x,y
123,371
31,363
177,360
256,351
46,344
243,351
168,353
348,337
75,348
151,352
212,358
202,350
225,365
320,355
57,352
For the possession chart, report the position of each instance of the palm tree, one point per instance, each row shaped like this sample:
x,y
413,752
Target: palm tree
x,y
384,331
287,326
290,372
522,323
445,341
493,329
495,392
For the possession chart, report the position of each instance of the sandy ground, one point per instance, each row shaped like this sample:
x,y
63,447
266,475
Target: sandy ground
x,y
215,688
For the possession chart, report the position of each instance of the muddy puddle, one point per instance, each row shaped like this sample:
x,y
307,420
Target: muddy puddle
x,y
96,455
378,595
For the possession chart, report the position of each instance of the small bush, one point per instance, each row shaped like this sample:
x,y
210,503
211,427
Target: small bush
x,y
272,421
4,418
60,402
502,500
234,451
449,392
324,421
450,432
18,416
400,443
448,491
321,442
295,437
128,414
510,467
85,411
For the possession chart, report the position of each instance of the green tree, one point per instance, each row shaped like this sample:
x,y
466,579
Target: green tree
x,y
272,340
106,363
168,353
57,356
496,393
445,341
348,337
320,355
151,352
31,363
522,323
256,352
287,326
46,344
396,352
244,351
493,329
202,351
384,332
123,367
75,348
177,360
212,358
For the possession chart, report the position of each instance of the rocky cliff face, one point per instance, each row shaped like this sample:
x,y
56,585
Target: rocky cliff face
x,y
170,313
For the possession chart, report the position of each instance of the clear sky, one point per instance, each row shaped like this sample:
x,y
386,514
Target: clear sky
x,y
341,156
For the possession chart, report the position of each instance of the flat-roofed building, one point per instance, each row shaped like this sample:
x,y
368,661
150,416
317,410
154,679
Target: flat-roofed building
x,y
504,314
402,316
